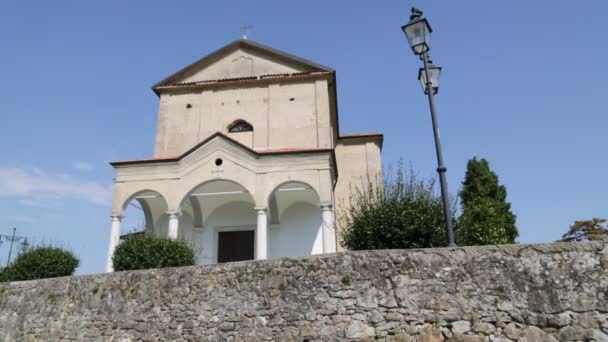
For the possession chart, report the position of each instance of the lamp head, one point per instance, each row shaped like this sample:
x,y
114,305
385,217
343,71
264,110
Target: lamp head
x,y
418,32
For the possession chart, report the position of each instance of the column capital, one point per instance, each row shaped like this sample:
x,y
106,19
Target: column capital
x,y
260,210
326,206
174,213
117,216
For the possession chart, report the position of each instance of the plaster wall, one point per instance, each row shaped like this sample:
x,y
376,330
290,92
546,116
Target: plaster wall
x,y
359,162
292,115
299,232
242,63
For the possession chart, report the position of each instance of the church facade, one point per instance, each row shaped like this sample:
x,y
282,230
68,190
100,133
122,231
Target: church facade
x,y
249,162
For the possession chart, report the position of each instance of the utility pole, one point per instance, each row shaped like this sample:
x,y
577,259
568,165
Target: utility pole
x,y
10,250
12,238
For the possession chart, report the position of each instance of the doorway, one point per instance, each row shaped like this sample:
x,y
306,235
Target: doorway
x,y
235,246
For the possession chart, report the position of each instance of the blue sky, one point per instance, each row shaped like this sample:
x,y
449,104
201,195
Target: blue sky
x,y
523,85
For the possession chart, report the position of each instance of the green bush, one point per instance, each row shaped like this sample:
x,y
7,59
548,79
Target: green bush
x,y
400,212
40,262
150,251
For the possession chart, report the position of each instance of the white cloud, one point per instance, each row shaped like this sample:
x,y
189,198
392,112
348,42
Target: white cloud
x,y
38,186
25,219
82,166
30,203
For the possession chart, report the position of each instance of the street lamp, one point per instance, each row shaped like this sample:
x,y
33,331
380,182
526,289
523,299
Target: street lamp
x,y
418,33
434,73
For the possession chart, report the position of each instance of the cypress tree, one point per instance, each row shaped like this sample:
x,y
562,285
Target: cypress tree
x,y
486,215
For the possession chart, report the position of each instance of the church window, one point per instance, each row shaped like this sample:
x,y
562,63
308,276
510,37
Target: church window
x,y
240,126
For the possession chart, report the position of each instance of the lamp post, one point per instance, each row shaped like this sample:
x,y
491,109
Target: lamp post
x,y
418,33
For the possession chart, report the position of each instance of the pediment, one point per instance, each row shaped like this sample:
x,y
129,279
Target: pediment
x,y
241,59
212,143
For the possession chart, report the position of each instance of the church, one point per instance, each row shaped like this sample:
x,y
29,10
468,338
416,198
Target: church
x,y
249,162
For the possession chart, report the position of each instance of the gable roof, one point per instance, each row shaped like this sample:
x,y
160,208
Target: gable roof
x,y
244,44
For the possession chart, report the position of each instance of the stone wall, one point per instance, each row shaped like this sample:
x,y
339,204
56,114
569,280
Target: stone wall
x,y
556,292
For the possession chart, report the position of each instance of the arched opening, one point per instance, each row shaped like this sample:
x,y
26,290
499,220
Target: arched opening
x,y
221,222
144,211
295,221
241,131
238,126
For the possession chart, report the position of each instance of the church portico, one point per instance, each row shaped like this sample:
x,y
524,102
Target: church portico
x,y
223,186
246,158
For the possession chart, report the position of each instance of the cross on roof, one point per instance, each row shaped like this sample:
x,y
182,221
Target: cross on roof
x,y
246,30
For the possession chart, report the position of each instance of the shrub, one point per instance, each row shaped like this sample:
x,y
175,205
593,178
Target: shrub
x,y
150,251
40,262
401,212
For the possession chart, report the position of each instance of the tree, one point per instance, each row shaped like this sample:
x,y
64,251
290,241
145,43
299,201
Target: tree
x,y
401,212
41,262
150,251
486,217
590,230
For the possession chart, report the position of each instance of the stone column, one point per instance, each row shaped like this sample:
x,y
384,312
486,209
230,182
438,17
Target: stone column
x,y
328,233
114,239
261,235
172,232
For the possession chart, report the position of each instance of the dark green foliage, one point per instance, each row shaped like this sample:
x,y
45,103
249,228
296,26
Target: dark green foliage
x,y
486,215
591,230
401,212
347,278
150,251
39,263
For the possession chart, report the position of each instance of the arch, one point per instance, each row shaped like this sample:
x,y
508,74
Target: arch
x,y
295,186
224,205
309,180
152,203
294,210
201,185
142,195
240,125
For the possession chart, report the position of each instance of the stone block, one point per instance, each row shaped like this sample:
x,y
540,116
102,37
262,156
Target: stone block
x,y
461,327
